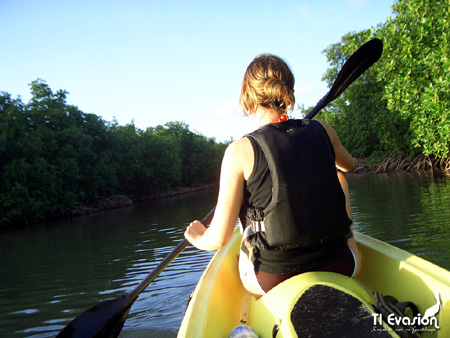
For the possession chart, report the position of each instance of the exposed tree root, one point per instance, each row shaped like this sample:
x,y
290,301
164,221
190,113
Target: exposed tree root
x,y
398,162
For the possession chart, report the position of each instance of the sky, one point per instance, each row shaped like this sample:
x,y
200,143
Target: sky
x,y
151,62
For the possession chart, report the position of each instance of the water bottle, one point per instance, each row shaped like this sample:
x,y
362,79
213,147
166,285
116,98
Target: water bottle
x,y
243,331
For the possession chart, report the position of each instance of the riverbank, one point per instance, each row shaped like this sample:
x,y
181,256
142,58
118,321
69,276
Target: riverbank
x,y
119,201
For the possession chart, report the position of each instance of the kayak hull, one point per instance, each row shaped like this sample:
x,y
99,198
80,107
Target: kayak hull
x,y
219,303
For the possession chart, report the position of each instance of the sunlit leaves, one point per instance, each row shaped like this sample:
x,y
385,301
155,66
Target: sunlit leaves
x,y
418,77
401,104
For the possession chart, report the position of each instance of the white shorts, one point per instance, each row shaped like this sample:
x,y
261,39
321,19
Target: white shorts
x,y
248,275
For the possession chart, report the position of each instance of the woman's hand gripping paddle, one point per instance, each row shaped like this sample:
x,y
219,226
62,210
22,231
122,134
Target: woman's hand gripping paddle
x,y
358,63
106,319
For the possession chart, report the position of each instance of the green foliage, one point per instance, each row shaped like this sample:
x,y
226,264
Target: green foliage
x,y
200,157
53,157
401,104
417,75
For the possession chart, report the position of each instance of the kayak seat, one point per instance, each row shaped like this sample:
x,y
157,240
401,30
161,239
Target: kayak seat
x,y
317,304
324,311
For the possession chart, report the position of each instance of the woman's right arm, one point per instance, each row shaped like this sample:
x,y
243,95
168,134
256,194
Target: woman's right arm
x,y
236,161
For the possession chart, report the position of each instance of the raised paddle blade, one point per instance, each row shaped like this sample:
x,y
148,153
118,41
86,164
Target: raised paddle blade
x,y
357,64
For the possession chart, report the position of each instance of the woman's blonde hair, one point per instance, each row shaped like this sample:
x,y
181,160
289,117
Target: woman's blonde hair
x,y
268,82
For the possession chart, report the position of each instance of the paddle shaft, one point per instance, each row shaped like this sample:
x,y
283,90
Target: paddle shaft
x,y
166,261
106,319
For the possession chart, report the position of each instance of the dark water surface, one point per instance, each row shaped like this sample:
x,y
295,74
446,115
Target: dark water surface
x,y
51,274
410,211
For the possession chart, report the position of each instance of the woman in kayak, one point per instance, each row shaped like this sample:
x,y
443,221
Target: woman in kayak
x,y
282,183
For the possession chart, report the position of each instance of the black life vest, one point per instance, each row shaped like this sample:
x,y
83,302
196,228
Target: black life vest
x,y
308,205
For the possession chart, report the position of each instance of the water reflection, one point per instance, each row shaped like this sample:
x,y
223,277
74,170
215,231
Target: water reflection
x,y
410,211
51,274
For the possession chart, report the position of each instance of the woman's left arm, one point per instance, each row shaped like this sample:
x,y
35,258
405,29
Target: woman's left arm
x,y
228,204
344,161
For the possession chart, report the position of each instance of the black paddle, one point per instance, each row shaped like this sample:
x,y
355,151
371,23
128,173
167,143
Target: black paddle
x,y
106,319
358,63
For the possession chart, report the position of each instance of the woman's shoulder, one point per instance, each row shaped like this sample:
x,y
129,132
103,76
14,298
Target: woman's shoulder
x,y
240,152
240,145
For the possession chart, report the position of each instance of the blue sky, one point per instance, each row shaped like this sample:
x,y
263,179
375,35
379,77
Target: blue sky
x,y
157,61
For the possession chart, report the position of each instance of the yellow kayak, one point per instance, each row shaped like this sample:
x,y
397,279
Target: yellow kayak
x,y
320,304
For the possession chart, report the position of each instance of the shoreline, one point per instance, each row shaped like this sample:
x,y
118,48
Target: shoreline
x,y
392,163
119,201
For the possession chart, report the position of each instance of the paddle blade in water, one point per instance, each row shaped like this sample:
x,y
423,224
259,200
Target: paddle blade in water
x,y
105,319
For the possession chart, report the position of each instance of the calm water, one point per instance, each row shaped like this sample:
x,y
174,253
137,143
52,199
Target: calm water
x,y
51,274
